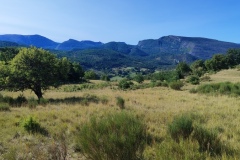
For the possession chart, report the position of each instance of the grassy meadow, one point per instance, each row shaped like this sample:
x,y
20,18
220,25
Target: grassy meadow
x,y
65,112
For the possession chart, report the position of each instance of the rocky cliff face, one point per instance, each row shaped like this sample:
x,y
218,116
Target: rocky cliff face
x,y
202,48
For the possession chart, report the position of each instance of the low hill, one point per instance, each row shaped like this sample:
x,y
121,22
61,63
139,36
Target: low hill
x,y
74,44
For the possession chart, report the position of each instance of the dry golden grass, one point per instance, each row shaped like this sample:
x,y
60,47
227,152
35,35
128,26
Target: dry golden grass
x,y
156,106
231,75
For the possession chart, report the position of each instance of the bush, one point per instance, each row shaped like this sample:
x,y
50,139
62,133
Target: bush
x,y
139,78
193,80
181,126
4,107
31,125
209,141
225,88
124,84
117,136
177,85
20,101
120,102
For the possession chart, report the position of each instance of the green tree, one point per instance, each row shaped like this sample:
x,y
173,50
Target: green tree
x,y
37,70
76,73
4,71
217,62
7,54
198,67
183,69
90,75
233,56
105,77
124,84
139,78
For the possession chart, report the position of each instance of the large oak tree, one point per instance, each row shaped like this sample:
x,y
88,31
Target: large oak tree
x,y
34,69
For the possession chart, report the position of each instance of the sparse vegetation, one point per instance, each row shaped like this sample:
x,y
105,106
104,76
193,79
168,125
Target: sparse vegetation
x,y
181,127
116,136
120,102
88,118
177,85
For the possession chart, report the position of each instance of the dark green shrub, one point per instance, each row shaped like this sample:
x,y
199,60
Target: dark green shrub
x,y
225,88
118,136
209,141
20,101
31,125
124,84
193,80
4,107
139,78
120,102
181,126
177,85
9,100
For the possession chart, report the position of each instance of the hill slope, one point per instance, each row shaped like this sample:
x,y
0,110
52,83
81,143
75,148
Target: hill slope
x,y
149,53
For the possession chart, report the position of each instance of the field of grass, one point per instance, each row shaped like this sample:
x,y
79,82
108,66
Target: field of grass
x,y
156,107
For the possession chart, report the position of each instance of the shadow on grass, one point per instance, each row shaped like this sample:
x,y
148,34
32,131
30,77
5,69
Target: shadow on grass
x,y
76,100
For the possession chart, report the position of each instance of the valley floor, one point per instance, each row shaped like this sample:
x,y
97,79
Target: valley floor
x,y
157,107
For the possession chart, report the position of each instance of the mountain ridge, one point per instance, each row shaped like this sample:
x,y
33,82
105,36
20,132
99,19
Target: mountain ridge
x,y
166,50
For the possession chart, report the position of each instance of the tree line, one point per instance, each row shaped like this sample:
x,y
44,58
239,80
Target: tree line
x,y
35,69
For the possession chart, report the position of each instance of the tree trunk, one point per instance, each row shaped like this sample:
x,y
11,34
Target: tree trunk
x,y
38,91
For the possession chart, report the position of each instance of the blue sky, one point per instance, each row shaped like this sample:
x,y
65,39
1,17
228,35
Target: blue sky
x,y
121,20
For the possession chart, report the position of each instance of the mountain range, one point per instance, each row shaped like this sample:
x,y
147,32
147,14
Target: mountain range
x,y
150,53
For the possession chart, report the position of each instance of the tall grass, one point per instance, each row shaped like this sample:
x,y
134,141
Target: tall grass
x,y
223,88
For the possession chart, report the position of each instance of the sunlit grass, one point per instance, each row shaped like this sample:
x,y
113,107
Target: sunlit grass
x,y
157,107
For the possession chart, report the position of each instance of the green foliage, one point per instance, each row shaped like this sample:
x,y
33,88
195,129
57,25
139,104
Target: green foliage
x,y
31,125
198,68
20,101
104,77
4,107
181,127
209,141
7,54
193,80
168,76
90,75
182,150
139,78
177,85
124,84
120,102
116,136
217,62
43,101
224,88
35,69
75,73
233,57
76,88
183,69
